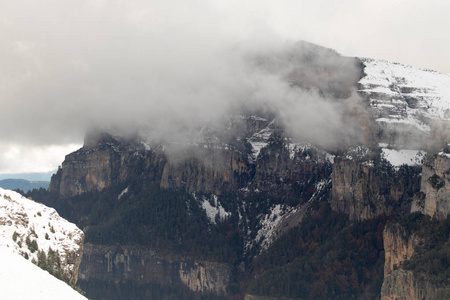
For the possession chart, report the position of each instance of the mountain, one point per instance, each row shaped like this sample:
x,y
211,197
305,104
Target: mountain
x,y
29,176
20,279
341,191
22,184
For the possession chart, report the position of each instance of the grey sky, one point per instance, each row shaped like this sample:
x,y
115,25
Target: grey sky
x,y
66,65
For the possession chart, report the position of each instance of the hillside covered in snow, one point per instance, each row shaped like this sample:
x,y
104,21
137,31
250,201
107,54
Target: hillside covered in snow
x,y
20,279
40,235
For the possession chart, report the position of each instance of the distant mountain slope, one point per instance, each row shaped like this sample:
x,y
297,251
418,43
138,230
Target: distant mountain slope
x,y
22,184
20,279
29,176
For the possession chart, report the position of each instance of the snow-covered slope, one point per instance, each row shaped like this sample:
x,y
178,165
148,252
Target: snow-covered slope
x,y
408,105
20,279
401,94
30,229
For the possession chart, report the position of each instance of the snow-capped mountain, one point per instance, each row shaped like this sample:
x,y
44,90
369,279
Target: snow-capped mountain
x,y
20,279
40,235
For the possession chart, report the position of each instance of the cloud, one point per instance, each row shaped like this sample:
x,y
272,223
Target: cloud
x,y
168,66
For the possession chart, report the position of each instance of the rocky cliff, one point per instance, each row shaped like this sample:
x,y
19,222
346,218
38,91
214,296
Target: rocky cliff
x,y
144,265
405,285
399,246
363,190
414,249
434,199
102,161
208,171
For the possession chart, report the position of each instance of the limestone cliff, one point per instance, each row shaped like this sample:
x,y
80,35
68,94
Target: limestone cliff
x,y
205,277
398,246
435,187
365,191
208,171
103,160
278,169
404,280
405,285
147,265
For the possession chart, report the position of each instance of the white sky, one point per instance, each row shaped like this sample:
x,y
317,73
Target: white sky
x,y
67,64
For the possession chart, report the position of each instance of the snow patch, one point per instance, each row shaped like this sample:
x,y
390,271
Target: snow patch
x,y
122,193
260,140
20,279
401,157
270,222
213,211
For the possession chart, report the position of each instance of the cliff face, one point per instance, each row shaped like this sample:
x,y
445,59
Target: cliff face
x,y
407,272
363,191
208,171
103,160
405,285
146,265
398,246
435,187
205,277
278,168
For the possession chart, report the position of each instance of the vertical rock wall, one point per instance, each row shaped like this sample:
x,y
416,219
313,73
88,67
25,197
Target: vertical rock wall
x,y
435,187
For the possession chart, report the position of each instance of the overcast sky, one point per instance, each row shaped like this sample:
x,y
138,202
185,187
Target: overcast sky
x,y
66,65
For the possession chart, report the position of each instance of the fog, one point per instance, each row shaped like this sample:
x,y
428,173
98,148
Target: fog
x,y
68,66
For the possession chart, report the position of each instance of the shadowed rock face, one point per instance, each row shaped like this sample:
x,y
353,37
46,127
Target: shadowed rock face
x,y
364,191
146,265
400,283
404,285
435,188
398,246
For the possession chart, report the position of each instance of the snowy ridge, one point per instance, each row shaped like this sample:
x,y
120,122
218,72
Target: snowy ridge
x,y
20,279
27,227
